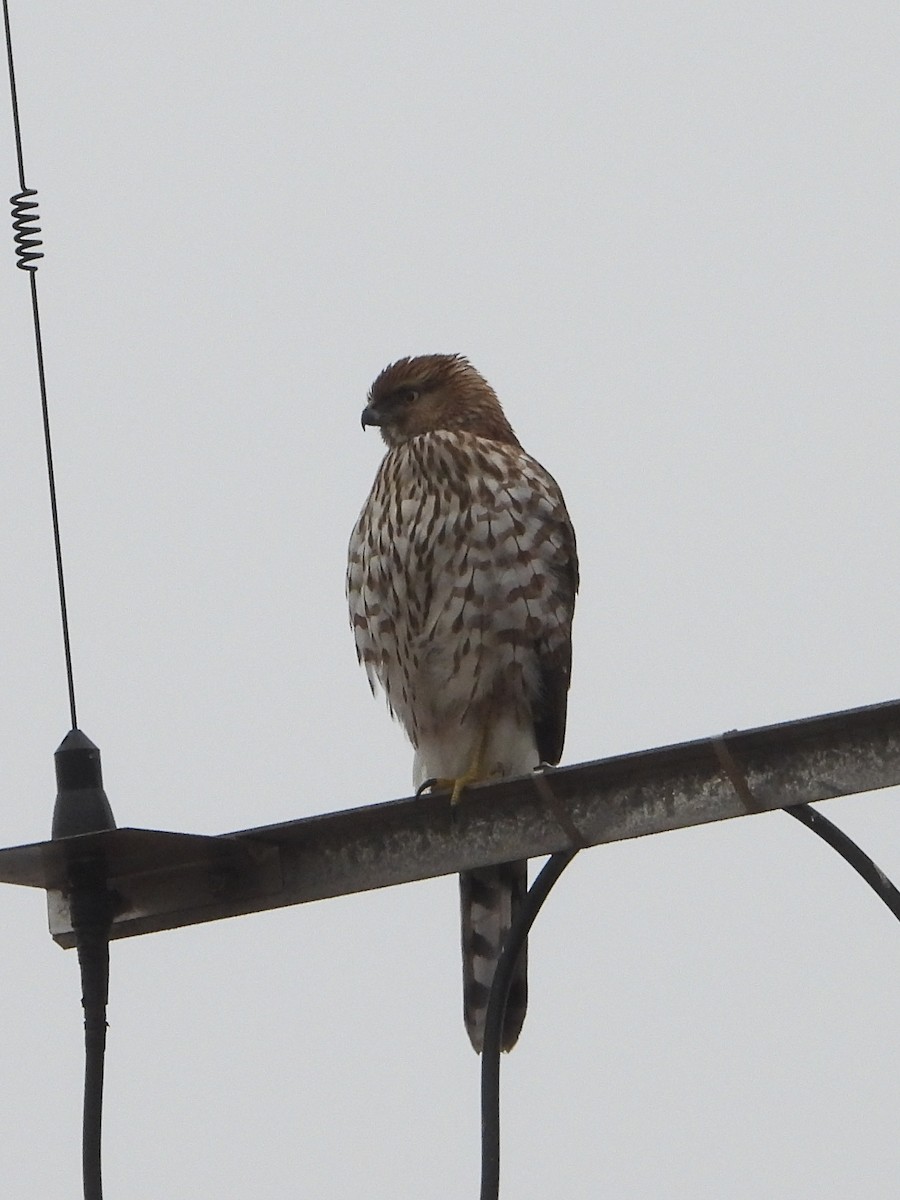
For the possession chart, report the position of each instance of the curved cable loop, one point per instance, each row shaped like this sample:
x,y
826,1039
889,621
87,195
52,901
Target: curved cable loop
x,y
850,853
813,820
535,897
493,1030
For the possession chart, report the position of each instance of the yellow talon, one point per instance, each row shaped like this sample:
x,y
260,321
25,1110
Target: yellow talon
x,y
460,784
454,786
474,773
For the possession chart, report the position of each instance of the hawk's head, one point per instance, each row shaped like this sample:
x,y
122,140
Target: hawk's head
x,y
435,391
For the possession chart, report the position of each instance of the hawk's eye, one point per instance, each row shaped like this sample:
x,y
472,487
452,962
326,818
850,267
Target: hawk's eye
x,y
407,395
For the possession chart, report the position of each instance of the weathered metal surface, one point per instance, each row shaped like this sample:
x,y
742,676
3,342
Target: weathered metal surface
x,y
167,880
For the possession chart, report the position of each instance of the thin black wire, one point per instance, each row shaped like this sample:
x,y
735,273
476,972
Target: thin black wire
x,y
850,852
493,1028
13,95
31,267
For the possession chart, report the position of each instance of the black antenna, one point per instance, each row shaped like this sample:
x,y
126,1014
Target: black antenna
x,y
81,803
25,219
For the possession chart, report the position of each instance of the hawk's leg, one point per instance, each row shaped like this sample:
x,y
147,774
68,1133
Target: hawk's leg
x,y
474,772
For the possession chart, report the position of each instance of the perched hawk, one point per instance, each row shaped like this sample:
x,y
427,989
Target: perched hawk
x,y
461,584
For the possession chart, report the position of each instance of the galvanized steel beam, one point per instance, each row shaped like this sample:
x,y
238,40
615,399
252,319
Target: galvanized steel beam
x,y
165,880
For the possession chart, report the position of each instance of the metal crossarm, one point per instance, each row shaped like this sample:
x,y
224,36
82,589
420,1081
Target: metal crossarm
x,y
165,880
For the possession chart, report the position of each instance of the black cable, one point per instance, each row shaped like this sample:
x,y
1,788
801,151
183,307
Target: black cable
x,y
493,1030
93,959
92,913
24,222
850,852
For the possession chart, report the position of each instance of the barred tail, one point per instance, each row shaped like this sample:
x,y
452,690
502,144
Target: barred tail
x,y
489,900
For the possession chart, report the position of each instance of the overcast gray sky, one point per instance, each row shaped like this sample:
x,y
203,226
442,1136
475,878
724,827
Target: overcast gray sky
x,y
668,235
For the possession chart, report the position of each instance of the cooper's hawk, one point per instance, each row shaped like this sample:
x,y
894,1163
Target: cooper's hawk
x,y
461,584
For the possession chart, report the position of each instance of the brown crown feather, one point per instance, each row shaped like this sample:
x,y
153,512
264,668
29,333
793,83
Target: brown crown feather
x,y
435,391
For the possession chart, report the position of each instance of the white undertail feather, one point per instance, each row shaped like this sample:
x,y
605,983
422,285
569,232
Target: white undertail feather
x,y
448,753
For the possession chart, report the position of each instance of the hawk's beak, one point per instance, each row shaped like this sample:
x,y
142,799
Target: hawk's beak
x,y
370,417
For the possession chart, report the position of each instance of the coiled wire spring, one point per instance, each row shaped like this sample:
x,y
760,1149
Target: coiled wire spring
x,y
25,218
